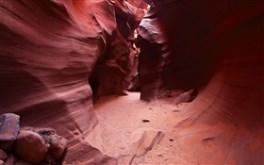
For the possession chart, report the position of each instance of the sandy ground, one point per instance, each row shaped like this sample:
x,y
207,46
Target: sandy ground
x,y
138,132
135,132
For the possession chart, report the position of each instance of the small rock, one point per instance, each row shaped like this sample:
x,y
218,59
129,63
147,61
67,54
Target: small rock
x,y
31,147
2,162
3,155
171,140
9,128
58,146
145,121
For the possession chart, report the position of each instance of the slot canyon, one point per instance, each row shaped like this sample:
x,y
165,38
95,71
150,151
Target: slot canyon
x,y
131,82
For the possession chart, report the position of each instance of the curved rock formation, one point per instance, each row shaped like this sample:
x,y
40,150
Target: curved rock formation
x,y
48,52
50,49
110,75
216,47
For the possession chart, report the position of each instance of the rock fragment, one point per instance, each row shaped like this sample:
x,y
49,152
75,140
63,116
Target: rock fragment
x,y
58,146
9,128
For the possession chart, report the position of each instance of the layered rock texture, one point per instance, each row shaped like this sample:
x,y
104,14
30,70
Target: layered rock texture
x,y
111,73
49,50
217,48
183,43
52,50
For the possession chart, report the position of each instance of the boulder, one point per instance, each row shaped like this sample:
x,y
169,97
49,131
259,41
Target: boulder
x,y
31,146
58,146
9,127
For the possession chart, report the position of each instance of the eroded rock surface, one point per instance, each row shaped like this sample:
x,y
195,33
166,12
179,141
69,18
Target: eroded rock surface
x,y
111,72
215,47
48,52
50,49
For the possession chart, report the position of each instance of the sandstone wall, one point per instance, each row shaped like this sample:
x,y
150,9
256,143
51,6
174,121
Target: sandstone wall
x,y
216,47
48,52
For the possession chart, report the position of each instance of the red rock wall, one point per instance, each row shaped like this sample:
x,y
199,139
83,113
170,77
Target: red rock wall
x,y
49,49
48,52
179,43
216,47
114,65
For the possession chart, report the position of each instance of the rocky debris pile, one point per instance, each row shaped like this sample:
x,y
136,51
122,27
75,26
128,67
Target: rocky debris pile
x,y
29,145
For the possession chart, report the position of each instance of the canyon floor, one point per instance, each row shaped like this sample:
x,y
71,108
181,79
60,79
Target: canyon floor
x,y
140,132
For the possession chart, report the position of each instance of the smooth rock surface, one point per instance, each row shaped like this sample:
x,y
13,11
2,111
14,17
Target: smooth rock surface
x,y
217,48
49,50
